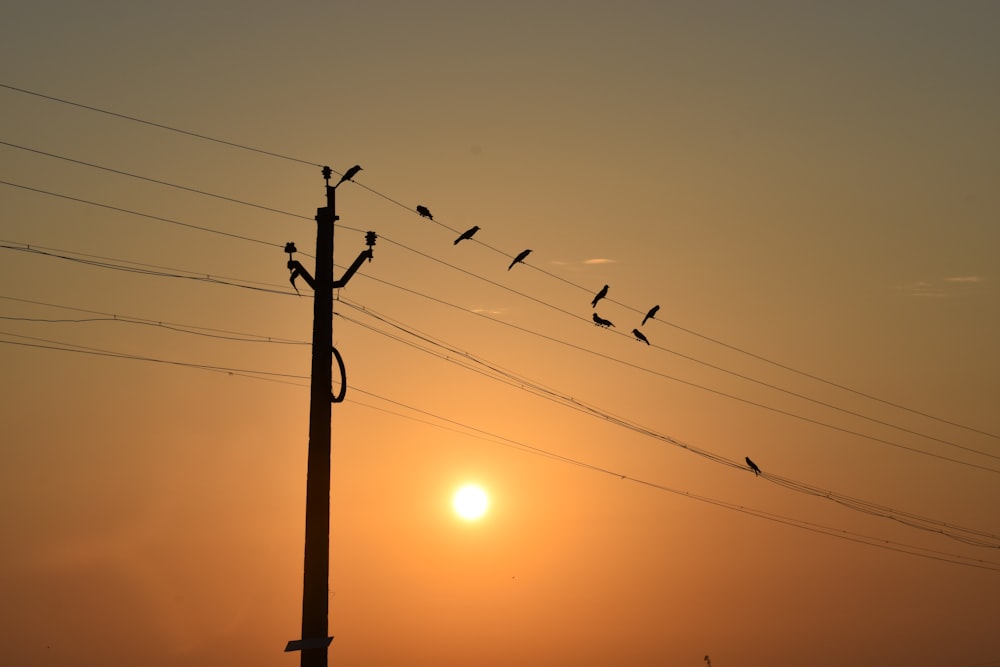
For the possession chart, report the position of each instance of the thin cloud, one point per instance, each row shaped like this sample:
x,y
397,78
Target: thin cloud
x,y
487,311
923,289
941,289
599,260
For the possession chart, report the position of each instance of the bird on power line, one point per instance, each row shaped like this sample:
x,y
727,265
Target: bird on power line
x,y
349,174
520,258
651,314
424,212
638,336
600,295
601,322
753,466
467,234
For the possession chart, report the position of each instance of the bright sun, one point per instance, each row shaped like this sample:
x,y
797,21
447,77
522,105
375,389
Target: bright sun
x,y
470,502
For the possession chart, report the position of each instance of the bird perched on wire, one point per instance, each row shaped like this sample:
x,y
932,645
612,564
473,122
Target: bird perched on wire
x,y
651,314
467,234
639,337
600,295
349,174
601,322
424,212
520,258
753,466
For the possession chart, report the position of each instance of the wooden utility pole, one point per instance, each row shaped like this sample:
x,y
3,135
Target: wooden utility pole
x,y
316,572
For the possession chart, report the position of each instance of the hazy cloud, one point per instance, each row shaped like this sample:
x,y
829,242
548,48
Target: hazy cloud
x,y
482,310
599,260
941,289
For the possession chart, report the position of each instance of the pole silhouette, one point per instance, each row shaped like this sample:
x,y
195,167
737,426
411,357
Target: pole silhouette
x,y
316,568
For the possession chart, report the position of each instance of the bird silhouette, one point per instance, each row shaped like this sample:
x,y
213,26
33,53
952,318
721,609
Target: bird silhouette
x,y
753,466
424,212
650,314
467,234
349,174
601,322
638,336
600,295
520,258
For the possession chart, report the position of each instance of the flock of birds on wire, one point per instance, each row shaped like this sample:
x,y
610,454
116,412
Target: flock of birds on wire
x,y
599,321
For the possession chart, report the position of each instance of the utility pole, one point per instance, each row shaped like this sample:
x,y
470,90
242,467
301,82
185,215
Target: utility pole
x,y
316,572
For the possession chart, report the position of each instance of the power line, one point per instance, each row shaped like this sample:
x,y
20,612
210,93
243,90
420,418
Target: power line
x,y
466,359
143,269
573,315
550,274
221,334
160,125
284,378
153,180
707,364
144,215
61,346
689,383
489,369
105,262
850,536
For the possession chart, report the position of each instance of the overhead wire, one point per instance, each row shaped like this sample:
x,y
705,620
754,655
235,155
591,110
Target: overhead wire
x,y
477,364
162,126
168,184
718,392
704,363
143,269
142,215
221,334
852,536
473,362
568,282
284,378
153,270
548,273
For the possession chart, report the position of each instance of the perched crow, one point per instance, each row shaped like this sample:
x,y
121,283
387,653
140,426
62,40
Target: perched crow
x,y
601,322
520,258
600,295
467,234
753,466
349,174
638,336
424,212
650,314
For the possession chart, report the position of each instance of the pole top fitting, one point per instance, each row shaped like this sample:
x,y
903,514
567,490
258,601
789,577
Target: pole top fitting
x,y
327,173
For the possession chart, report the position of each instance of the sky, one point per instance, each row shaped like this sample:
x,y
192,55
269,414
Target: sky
x,y
807,191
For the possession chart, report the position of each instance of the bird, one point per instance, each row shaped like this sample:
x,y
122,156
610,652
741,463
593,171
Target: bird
x,y
600,295
650,314
349,174
601,322
638,336
467,234
520,258
753,466
424,212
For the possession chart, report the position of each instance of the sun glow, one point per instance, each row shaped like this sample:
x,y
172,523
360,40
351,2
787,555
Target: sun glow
x,y
470,502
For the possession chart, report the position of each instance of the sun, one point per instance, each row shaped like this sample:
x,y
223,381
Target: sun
x,y
470,502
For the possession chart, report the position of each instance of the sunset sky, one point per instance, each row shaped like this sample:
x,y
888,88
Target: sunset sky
x,y
807,190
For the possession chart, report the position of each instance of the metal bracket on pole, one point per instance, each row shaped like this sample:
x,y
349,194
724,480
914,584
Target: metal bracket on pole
x,y
306,644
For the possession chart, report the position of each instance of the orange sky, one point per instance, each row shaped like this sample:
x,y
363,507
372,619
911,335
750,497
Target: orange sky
x,y
807,191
